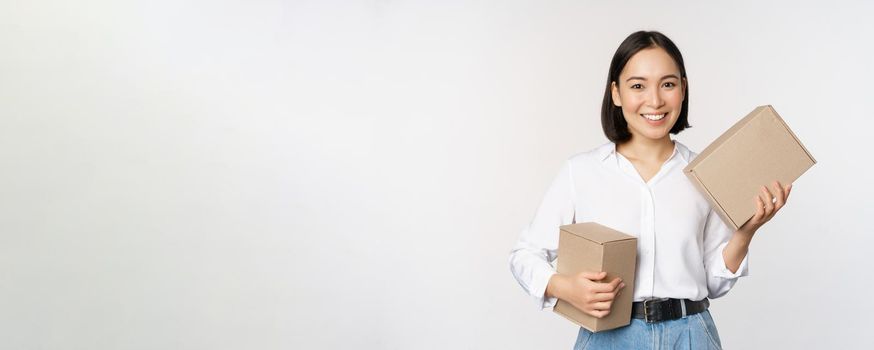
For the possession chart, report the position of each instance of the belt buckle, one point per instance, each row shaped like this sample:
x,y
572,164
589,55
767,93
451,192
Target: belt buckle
x,y
646,306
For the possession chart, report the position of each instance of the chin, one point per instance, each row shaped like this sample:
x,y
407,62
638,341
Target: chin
x,y
654,134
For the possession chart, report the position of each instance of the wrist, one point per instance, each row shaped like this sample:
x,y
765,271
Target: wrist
x,y
556,286
739,243
745,233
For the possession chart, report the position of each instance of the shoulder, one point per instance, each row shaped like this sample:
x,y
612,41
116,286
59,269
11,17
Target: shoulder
x,y
685,152
596,154
585,162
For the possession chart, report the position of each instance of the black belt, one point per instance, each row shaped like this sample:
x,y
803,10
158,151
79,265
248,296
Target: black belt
x,y
656,310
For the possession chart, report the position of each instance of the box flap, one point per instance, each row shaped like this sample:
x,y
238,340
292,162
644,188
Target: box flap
x,y
595,232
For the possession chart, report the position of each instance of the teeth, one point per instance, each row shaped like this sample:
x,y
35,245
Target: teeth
x,y
654,117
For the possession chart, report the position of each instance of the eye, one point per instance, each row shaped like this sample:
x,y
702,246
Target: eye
x,y
637,86
669,84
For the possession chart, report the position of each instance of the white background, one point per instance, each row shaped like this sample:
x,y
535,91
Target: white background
x,y
318,174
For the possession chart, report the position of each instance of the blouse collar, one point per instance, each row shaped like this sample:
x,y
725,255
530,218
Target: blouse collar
x,y
609,150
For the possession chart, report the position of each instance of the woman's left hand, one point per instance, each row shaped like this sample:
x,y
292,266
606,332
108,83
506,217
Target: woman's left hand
x,y
768,202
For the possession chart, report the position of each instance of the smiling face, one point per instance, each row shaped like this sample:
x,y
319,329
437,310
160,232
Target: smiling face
x,y
650,92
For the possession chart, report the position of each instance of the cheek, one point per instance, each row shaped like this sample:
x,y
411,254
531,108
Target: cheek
x,y
675,97
629,112
631,103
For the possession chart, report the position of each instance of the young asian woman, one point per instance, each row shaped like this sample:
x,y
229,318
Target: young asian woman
x,y
635,184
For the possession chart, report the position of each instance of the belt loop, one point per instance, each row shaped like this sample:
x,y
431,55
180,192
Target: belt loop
x,y
683,306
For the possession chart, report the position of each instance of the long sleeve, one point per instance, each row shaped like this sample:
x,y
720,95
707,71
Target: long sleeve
x,y
532,259
719,278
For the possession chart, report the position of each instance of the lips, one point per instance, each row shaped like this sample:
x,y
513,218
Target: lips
x,y
654,117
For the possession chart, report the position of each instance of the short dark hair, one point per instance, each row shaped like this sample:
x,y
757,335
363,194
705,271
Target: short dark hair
x,y
615,127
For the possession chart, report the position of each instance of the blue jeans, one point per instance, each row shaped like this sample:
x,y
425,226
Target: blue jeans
x,y
693,332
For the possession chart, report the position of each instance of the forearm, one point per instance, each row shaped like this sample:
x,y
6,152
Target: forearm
x,y
737,249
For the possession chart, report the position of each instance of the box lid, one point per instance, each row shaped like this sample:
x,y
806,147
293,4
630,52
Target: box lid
x,y
595,232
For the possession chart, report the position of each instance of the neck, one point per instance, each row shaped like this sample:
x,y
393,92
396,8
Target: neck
x,y
647,149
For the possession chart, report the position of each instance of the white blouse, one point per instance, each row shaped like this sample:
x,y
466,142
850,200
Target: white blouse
x,y
680,238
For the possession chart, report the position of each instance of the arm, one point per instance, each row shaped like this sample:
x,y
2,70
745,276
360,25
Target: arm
x,y
766,208
531,258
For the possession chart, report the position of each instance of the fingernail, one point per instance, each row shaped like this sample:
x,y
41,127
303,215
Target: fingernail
x,y
622,285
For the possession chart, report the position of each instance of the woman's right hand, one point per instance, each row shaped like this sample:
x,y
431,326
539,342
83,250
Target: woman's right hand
x,y
584,291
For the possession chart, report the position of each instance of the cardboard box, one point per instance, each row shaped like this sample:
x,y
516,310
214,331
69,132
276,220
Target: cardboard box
x,y
757,150
595,248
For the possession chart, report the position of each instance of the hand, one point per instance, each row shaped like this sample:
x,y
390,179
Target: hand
x,y
768,202
592,297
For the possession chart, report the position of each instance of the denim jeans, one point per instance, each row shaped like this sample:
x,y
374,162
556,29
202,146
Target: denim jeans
x,y
693,332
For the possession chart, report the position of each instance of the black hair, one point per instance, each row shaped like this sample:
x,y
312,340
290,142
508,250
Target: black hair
x,y
615,127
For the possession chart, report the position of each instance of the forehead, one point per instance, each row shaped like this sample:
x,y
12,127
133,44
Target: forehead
x,y
652,62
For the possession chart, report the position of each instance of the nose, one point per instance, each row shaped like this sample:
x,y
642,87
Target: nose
x,y
655,98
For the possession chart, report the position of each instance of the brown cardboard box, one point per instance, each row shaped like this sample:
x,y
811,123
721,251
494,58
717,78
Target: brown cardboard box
x,y
757,150
595,248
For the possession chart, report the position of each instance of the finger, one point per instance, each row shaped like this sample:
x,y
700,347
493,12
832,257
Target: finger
x,y
781,196
775,198
615,284
768,199
602,288
599,313
768,195
788,189
593,276
606,287
604,296
760,210
603,305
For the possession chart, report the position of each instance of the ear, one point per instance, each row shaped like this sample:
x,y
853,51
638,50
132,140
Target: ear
x,y
617,101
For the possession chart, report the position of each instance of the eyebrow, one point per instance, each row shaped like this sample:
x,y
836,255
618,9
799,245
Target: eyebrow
x,y
663,78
